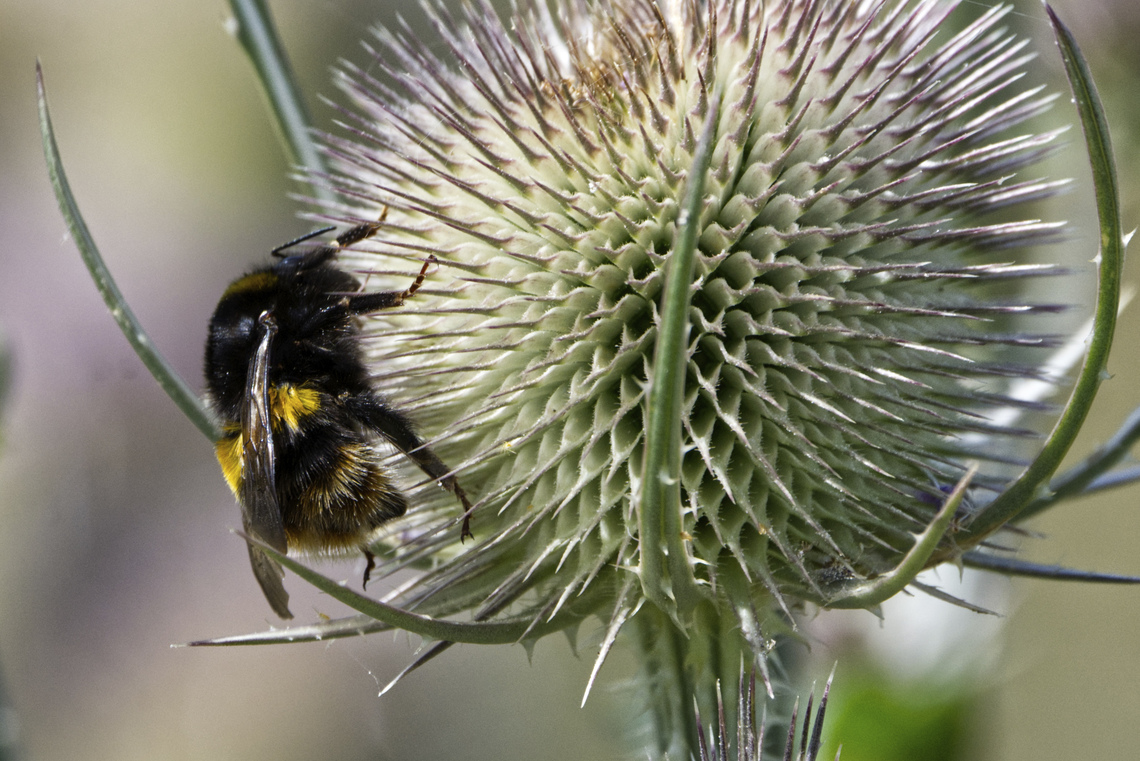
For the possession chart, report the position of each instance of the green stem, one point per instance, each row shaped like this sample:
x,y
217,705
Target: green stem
x,y
172,383
662,649
257,34
687,673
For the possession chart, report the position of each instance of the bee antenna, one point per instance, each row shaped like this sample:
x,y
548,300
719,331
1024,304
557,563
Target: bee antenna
x,y
307,236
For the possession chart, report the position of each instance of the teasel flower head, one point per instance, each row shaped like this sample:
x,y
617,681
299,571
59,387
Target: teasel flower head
x,y
853,318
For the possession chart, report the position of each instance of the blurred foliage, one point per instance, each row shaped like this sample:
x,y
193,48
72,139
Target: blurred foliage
x,y
878,717
5,378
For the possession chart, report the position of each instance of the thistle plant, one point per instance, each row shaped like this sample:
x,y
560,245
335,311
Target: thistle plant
x,y
731,313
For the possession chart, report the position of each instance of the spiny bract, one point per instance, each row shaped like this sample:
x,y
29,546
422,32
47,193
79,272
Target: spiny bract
x,y
858,304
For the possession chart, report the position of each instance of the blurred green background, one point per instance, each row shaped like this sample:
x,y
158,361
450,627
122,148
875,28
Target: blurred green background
x,y
114,518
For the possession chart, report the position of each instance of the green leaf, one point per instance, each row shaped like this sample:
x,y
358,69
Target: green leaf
x,y
1079,479
665,570
502,632
866,594
1008,566
1029,485
333,628
163,372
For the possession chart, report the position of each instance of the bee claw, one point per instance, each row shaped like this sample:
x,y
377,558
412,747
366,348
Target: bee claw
x,y
368,568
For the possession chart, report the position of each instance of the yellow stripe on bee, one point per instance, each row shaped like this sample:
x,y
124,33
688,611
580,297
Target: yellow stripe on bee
x,y
289,403
229,452
257,281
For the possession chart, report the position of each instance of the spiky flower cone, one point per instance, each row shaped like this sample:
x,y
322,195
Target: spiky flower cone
x,y
854,319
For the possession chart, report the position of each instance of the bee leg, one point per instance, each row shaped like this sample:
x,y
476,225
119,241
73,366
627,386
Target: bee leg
x,y
360,232
319,256
457,490
366,303
368,568
397,429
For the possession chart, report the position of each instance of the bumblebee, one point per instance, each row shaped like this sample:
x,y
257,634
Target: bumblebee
x,y
300,420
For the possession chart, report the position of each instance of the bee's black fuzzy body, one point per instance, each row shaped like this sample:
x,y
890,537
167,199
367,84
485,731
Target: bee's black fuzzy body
x,y
285,374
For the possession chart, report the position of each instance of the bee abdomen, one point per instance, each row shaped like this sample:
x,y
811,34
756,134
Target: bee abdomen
x,y
334,492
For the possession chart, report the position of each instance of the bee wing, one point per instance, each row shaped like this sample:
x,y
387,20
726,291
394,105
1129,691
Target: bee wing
x,y
260,512
269,575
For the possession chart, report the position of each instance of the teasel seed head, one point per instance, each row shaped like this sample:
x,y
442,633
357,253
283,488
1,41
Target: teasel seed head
x,y
857,307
